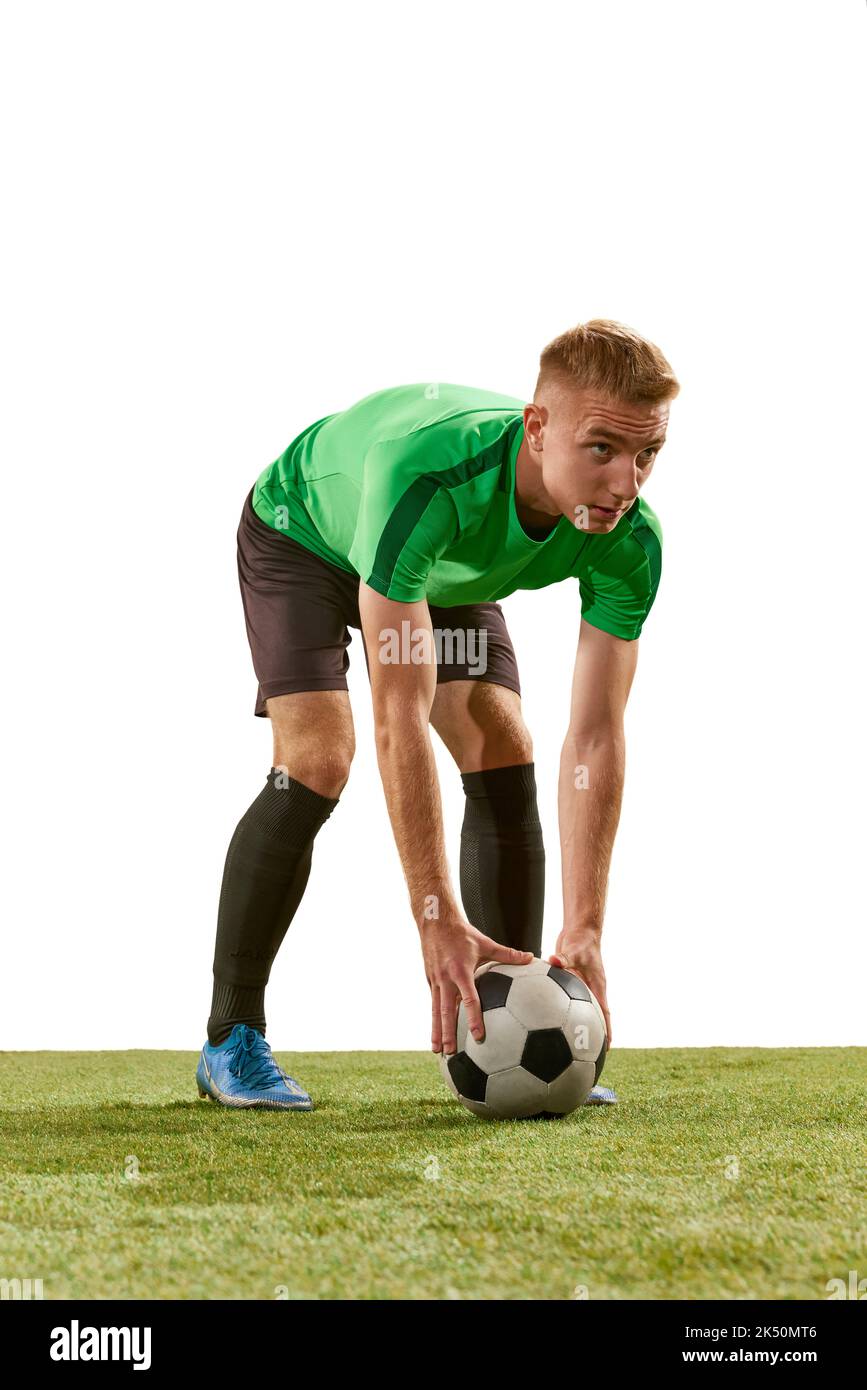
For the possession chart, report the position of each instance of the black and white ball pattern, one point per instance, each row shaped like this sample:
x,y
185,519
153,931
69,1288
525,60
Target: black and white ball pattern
x,y
544,1046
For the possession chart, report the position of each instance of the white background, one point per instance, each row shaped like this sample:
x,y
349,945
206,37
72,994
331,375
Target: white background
x,y
223,222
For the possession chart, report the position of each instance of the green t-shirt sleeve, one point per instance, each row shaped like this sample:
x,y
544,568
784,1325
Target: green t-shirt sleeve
x,y
620,583
406,520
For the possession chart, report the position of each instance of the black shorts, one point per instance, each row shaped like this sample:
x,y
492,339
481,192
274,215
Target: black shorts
x,y
298,609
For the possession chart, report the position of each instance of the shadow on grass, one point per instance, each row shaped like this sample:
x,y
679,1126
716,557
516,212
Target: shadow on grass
x,y
51,1141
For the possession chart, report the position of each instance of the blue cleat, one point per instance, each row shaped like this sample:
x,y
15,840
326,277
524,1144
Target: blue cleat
x,y
242,1072
601,1095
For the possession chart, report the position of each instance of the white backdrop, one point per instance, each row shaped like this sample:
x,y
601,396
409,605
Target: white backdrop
x,y
226,221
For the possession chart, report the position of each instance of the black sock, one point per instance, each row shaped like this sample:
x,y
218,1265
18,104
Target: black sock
x,y
502,866
267,868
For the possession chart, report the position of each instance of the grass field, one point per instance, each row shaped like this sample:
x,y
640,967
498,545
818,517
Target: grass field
x,y
722,1173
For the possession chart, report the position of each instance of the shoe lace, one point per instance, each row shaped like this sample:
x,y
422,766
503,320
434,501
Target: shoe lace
x,y
252,1060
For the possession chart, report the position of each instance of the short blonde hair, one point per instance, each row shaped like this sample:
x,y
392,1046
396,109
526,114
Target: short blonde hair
x,y
605,356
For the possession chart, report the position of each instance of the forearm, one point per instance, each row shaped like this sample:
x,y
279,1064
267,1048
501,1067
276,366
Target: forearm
x,y
409,777
590,792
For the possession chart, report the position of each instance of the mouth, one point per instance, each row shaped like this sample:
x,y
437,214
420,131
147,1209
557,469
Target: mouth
x,y
608,512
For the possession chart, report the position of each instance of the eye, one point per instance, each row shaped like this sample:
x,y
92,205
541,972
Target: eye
x,y
598,446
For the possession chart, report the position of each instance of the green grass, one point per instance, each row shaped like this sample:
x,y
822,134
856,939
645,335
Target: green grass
x,y
389,1189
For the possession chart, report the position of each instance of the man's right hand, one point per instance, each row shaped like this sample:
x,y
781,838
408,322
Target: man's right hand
x,y
453,950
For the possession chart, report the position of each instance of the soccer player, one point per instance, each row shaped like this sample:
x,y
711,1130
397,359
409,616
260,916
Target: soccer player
x,y
408,516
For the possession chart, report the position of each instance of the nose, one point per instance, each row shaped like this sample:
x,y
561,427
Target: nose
x,y
625,485
622,497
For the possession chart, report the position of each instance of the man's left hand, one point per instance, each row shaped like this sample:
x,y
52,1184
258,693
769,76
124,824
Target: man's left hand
x,y
584,958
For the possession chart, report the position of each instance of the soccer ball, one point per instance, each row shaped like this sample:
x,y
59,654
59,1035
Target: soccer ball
x,y
544,1046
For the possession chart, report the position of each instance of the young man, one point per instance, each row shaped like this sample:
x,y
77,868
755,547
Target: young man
x,y
408,516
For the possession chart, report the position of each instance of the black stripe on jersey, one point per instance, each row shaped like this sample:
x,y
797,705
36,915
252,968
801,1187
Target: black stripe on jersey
x,y
649,543
410,508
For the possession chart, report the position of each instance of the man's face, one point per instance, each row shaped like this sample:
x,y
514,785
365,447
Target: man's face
x,y
596,453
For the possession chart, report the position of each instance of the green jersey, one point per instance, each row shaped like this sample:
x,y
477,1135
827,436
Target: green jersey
x,y
413,489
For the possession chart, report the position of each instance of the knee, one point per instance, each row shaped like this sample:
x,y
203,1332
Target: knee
x,y
504,745
520,745
482,726
322,767
314,738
